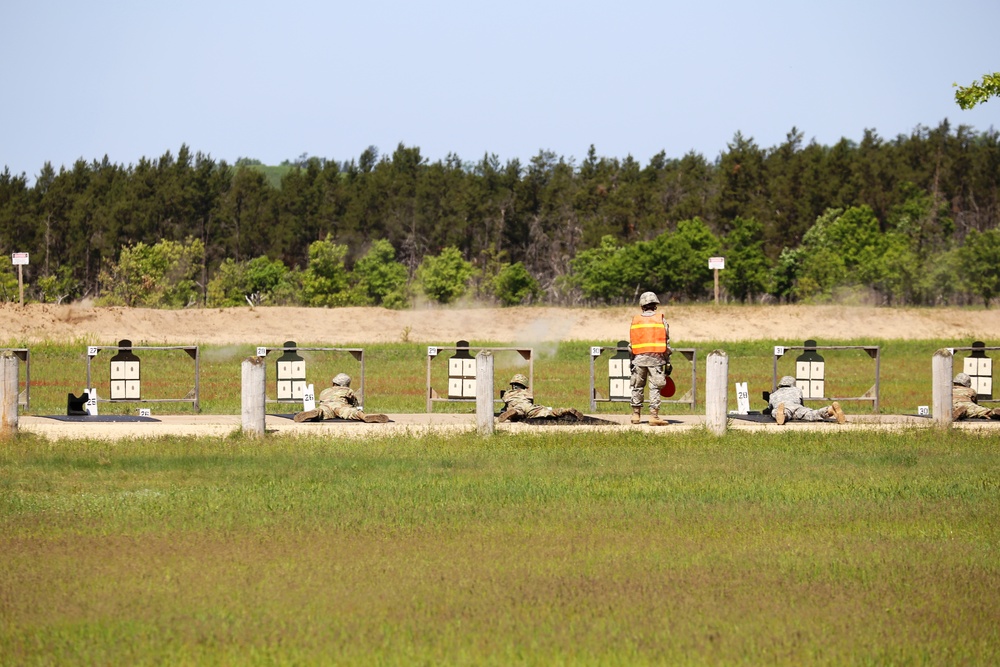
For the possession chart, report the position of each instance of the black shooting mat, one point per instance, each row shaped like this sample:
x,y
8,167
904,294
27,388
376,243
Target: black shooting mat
x,y
565,420
326,421
758,418
768,419
100,419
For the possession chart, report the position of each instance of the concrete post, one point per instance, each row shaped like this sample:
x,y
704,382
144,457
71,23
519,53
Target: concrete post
x,y
716,391
8,394
253,395
484,392
941,402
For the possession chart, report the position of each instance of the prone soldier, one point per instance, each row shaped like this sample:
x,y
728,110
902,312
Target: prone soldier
x,y
519,403
965,400
339,402
785,403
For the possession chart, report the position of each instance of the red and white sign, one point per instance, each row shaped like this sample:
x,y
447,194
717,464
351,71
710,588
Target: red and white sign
x,y
716,262
18,258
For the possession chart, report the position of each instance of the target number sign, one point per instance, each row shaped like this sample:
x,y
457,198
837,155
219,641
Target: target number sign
x,y
742,398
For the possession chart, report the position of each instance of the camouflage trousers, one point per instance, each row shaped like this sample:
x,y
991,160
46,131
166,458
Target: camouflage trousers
x,y
656,378
539,411
802,413
340,411
969,409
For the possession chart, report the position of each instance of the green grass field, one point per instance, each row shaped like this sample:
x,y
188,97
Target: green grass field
x,y
837,547
396,375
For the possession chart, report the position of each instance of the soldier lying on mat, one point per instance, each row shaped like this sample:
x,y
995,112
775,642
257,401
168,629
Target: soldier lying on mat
x,y
965,400
786,404
339,402
519,403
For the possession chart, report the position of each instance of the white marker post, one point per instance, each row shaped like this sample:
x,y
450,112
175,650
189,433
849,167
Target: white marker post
x,y
742,399
309,398
253,396
19,259
716,263
91,405
941,401
484,392
8,394
716,395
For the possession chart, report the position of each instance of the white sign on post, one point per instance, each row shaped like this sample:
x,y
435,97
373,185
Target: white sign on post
x,y
717,262
19,259
261,351
923,411
145,412
595,351
309,398
779,350
432,351
91,404
742,398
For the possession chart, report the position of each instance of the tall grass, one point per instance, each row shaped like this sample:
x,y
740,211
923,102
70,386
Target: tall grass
x,y
788,548
396,375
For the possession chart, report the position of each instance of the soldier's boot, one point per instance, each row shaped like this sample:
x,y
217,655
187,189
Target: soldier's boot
x,y
654,419
838,412
308,416
995,414
507,415
779,414
377,418
576,413
636,414
957,413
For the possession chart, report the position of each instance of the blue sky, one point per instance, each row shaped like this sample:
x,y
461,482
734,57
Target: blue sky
x,y
273,80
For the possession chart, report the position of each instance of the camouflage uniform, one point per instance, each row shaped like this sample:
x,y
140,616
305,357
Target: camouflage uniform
x,y
339,402
963,400
519,403
649,368
789,397
523,403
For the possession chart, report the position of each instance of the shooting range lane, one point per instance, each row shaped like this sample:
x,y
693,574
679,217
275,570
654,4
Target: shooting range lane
x,y
514,329
417,424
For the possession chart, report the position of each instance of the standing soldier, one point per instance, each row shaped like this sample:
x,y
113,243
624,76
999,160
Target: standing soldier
x,y
965,400
339,401
649,338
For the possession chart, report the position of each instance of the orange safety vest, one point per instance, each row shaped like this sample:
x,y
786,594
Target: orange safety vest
x,y
648,334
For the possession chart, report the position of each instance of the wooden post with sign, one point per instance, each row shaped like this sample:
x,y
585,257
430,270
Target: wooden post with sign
x,y
716,263
19,259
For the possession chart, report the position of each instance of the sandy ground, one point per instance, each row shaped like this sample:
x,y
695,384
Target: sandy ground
x,y
689,324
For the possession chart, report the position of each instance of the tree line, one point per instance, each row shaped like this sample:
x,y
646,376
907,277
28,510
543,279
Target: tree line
x,y
909,220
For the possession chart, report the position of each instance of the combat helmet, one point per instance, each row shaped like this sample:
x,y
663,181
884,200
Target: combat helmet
x,y
519,379
647,298
786,381
962,379
342,380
